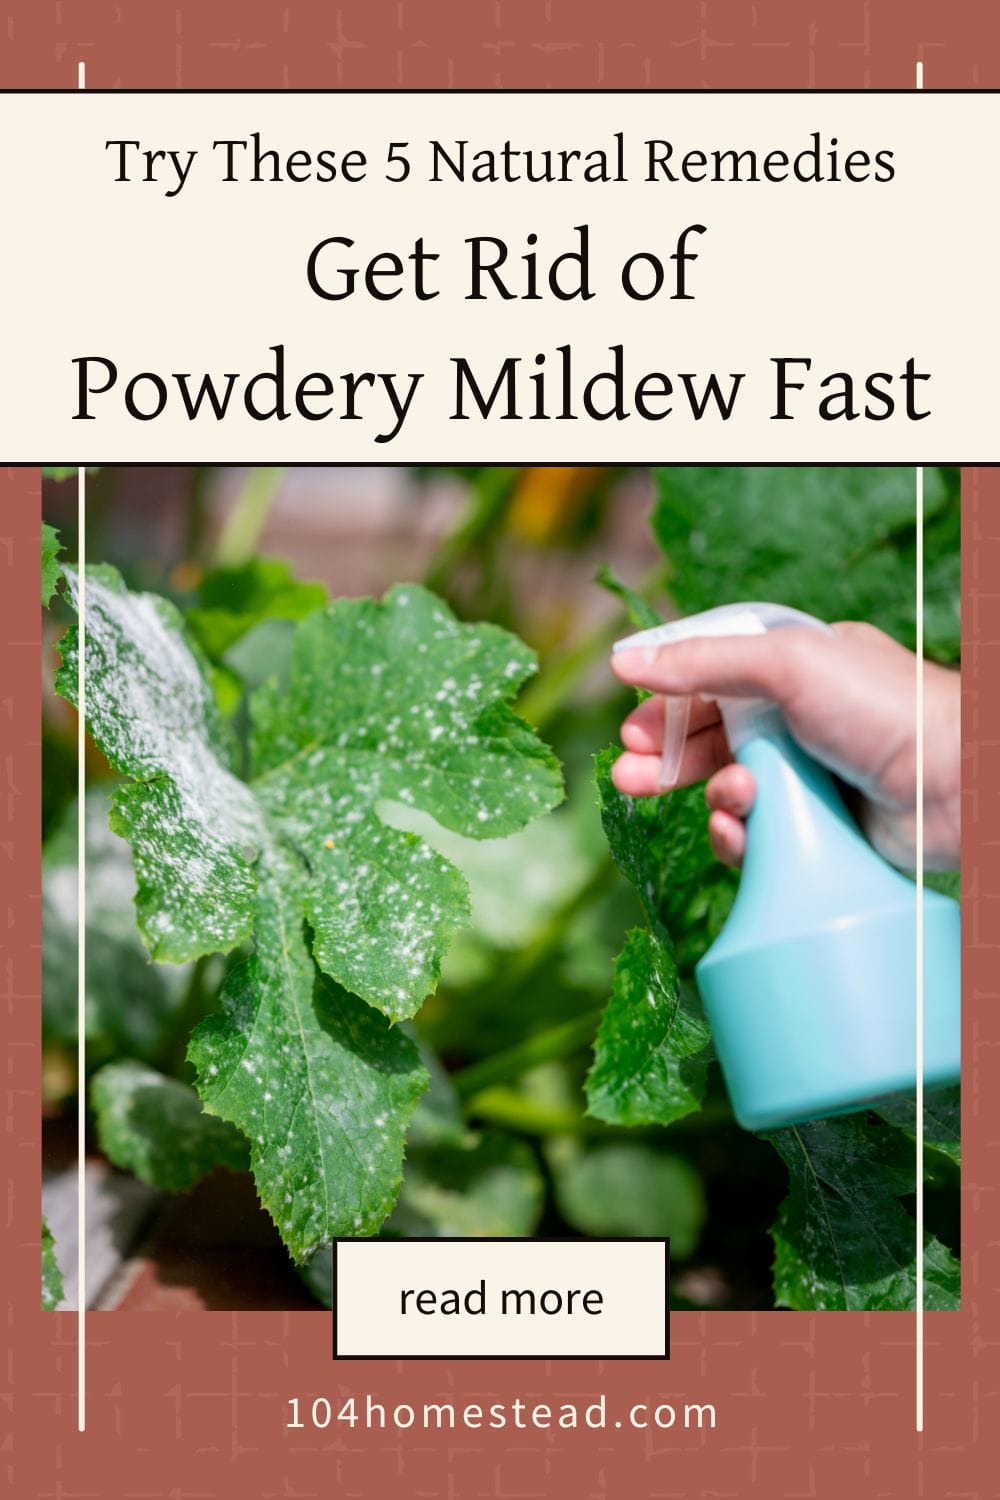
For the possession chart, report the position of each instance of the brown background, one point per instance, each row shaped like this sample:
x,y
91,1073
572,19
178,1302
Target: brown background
x,y
192,1407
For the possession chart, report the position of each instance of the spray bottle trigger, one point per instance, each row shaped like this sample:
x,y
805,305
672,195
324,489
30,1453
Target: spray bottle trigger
x,y
676,717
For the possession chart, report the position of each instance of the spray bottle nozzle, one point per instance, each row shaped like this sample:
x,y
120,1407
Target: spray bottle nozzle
x,y
676,718
743,717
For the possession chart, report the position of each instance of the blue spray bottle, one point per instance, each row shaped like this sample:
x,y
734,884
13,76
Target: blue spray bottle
x,y
811,986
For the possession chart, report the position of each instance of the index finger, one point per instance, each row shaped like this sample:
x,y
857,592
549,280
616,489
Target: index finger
x,y
772,666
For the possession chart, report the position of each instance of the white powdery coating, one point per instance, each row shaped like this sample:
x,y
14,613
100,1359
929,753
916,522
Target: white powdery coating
x,y
408,707
194,826
394,702
318,1081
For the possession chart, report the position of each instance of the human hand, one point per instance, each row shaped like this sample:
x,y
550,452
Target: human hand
x,y
848,698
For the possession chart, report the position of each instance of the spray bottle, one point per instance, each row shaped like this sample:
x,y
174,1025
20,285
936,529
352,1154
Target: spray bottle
x,y
811,987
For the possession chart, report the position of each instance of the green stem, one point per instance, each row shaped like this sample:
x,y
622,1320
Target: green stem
x,y
545,1046
506,1106
547,694
492,492
551,689
500,1105
245,522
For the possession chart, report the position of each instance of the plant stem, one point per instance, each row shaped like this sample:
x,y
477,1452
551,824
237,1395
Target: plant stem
x,y
505,1106
547,695
500,1105
545,1046
245,522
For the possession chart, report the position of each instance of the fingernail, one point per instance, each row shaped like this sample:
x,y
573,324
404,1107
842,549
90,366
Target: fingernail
x,y
637,660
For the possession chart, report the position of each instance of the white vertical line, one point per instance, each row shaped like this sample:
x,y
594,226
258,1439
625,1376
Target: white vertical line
x,y
81,938
920,956
919,998
81,958
81,935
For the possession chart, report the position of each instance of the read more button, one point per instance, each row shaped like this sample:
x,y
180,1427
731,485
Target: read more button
x,y
496,1299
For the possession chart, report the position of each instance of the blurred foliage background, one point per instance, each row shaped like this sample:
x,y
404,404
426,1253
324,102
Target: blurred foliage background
x,y
501,1144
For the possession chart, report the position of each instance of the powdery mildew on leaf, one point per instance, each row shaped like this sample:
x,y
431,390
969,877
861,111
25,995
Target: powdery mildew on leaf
x,y
52,1282
650,1051
400,702
194,827
320,1083
393,701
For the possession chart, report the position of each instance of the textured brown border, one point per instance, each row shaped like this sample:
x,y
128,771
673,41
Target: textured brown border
x,y
816,1407
499,44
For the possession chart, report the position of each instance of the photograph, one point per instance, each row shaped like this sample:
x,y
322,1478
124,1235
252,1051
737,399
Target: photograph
x,y
502,852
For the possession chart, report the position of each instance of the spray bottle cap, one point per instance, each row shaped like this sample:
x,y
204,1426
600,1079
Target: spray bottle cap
x,y
744,718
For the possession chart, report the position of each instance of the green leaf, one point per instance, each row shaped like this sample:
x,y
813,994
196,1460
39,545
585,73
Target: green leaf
x,y
68,471
490,1185
231,601
947,882
321,1084
517,883
52,1282
393,701
650,1051
653,1046
639,610
942,579
836,542
842,1239
661,845
942,1120
51,547
629,1189
131,1005
156,1128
